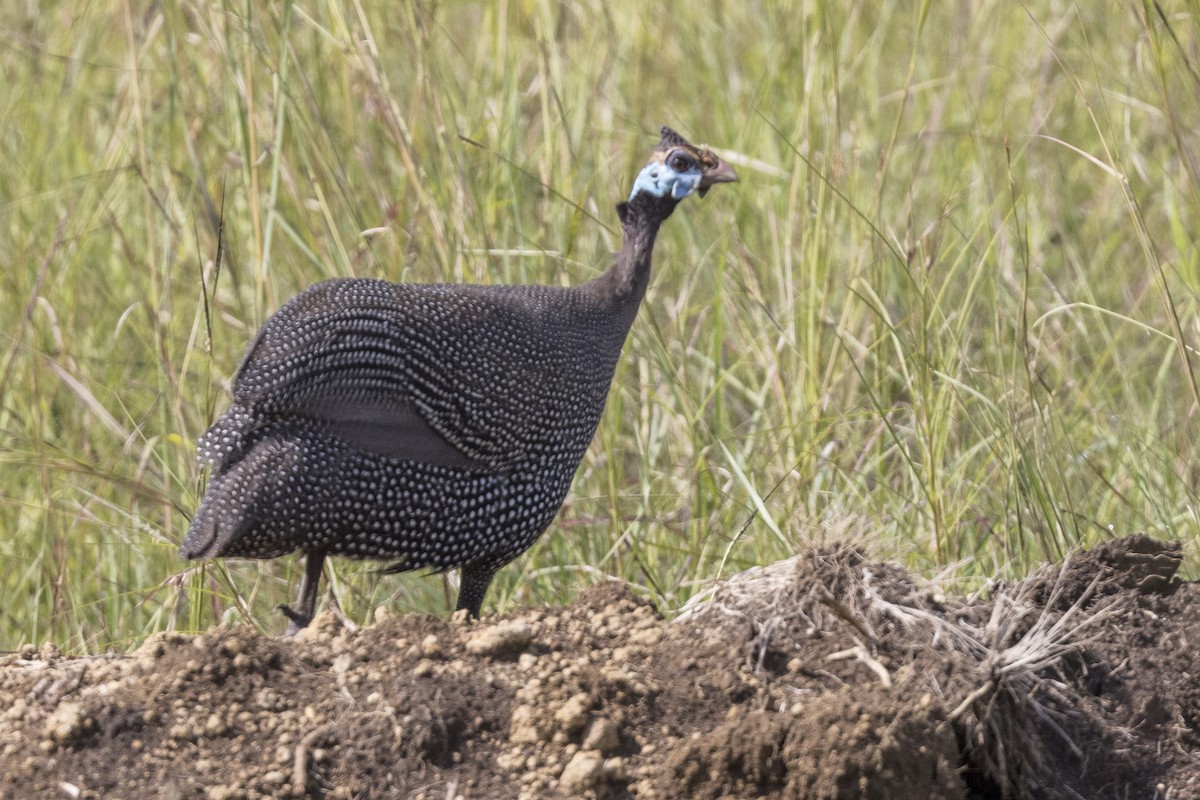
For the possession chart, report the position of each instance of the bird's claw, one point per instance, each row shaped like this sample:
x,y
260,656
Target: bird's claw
x,y
298,621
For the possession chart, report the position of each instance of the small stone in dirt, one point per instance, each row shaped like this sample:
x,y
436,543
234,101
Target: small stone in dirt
x,y
615,770
583,772
215,726
602,735
431,647
511,760
16,711
646,636
311,634
182,732
523,727
507,638
275,777
573,714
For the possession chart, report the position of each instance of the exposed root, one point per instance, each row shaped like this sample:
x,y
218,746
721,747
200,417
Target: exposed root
x,y
860,652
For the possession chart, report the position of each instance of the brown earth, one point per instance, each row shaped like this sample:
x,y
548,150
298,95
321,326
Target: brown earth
x,y
824,676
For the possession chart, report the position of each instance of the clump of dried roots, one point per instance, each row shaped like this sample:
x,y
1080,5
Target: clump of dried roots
x,y
1002,660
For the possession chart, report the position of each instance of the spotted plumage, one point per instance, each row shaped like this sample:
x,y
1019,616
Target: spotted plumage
x,y
437,426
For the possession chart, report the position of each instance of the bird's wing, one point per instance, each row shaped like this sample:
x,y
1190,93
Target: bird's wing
x,y
374,371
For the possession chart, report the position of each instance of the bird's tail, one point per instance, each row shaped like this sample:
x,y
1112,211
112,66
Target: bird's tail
x,y
247,492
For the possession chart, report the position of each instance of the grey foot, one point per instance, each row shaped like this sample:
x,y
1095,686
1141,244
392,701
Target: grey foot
x,y
298,621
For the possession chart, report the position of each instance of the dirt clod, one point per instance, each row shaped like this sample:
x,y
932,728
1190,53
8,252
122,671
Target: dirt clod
x,y
573,714
825,676
582,773
602,735
504,639
67,722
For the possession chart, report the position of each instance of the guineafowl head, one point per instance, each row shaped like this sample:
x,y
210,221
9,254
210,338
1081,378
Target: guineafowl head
x,y
676,169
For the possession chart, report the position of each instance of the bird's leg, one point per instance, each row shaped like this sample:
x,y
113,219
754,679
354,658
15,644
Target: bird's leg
x,y
306,598
474,585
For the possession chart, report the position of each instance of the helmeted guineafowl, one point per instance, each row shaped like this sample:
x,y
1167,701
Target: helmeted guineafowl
x,y
437,425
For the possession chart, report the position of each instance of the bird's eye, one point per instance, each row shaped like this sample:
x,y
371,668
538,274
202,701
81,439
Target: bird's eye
x,y
680,163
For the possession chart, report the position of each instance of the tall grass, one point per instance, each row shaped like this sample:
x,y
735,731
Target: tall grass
x,y
951,307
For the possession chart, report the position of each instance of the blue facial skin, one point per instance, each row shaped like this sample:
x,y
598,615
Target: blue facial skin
x,y
678,175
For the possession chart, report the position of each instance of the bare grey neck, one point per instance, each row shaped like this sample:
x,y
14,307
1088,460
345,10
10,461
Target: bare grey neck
x,y
622,287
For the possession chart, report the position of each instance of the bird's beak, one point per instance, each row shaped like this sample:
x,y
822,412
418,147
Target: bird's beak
x,y
721,173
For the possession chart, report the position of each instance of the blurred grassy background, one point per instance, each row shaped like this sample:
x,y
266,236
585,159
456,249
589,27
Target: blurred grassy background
x,y
949,310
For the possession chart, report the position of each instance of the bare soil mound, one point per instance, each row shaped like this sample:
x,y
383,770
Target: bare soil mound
x,y
824,676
